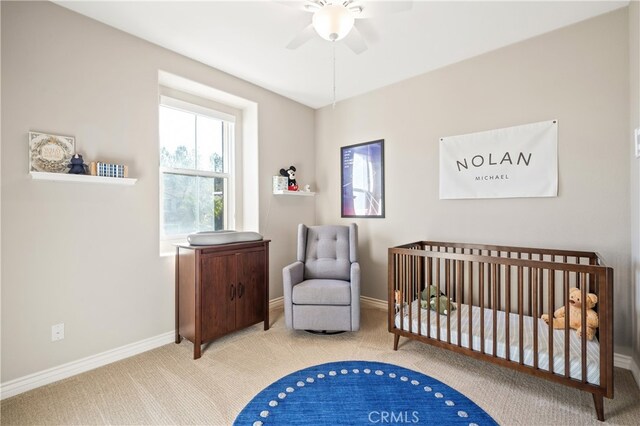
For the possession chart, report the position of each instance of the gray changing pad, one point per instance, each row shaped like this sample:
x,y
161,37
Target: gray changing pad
x,y
221,237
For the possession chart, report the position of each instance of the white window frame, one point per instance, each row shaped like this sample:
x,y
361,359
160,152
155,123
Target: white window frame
x,y
228,155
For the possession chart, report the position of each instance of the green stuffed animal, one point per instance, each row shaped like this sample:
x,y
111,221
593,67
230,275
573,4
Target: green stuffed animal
x,y
437,302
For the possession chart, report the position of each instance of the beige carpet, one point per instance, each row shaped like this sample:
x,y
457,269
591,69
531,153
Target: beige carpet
x,y
165,386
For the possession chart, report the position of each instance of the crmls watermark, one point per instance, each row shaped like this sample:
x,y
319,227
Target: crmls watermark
x,y
394,417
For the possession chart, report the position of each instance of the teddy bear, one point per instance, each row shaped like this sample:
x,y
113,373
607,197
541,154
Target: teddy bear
x,y
290,173
438,302
575,314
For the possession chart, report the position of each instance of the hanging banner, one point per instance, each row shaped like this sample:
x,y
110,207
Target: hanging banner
x,y
520,161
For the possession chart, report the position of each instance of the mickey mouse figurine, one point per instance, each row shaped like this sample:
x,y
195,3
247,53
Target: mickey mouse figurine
x,y
77,165
290,173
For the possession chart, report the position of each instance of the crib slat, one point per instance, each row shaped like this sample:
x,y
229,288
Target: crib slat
x,y
409,278
430,283
529,312
551,304
494,303
489,279
481,275
507,288
567,354
447,274
520,314
437,293
420,287
534,292
583,312
540,289
460,268
471,304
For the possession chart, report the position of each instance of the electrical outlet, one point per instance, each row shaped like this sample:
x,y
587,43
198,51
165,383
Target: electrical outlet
x,y
57,332
637,142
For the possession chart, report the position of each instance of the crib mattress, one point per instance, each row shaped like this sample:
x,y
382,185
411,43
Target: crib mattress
x,y
575,344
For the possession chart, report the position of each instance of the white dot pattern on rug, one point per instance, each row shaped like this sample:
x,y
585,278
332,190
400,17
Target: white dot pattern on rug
x,y
333,373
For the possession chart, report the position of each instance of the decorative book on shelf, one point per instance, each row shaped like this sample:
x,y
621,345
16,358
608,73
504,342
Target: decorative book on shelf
x,y
108,170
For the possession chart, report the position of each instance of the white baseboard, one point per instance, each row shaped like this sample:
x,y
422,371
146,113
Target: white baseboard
x,y
41,378
44,377
277,303
370,302
628,363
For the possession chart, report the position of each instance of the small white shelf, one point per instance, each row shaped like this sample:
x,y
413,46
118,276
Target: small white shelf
x,y
295,193
69,177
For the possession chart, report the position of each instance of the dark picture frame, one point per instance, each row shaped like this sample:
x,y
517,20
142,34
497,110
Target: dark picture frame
x,y
362,180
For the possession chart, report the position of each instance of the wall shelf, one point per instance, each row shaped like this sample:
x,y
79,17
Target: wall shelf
x,y
294,193
68,177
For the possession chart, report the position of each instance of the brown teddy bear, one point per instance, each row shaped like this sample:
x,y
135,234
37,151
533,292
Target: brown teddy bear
x,y
575,314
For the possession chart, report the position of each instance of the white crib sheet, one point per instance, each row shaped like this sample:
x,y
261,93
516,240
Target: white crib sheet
x,y
575,344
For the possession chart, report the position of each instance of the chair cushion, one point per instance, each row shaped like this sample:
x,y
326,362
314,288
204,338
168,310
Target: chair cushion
x,y
322,292
327,253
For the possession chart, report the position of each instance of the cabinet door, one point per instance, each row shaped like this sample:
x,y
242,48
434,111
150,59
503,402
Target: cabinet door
x,y
219,295
250,304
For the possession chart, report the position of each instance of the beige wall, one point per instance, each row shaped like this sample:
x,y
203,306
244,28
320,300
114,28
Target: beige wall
x,y
578,75
87,255
634,79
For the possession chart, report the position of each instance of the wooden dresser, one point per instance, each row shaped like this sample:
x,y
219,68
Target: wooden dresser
x,y
220,289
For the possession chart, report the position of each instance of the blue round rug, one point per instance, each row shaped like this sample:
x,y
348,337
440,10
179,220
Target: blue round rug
x,y
360,393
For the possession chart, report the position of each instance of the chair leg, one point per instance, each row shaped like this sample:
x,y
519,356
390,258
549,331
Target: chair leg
x,y
396,339
598,402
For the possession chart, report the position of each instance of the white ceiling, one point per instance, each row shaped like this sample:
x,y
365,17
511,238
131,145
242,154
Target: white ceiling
x,y
248,38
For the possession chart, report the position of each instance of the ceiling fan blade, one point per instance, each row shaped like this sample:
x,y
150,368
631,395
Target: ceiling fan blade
x,y
303,5
373,9
303,36
368,30
355,41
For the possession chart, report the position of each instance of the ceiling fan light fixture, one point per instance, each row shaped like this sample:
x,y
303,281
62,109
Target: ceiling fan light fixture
x,y
333,22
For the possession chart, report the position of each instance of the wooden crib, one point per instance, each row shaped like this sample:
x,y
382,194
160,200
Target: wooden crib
x,y
503,291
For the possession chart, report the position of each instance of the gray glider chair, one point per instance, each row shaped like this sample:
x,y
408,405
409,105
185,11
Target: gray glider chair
x,y
322,289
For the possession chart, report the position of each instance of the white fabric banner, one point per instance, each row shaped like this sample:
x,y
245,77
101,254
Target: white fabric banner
x,y
520,161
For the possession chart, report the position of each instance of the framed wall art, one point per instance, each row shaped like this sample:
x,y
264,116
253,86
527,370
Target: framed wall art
x,y
362,179
50,153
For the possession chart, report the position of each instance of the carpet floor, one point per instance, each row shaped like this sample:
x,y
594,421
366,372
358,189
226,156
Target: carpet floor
x,y
166,386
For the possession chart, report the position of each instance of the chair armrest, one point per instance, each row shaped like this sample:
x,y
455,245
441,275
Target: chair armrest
x,y
291,275
355,296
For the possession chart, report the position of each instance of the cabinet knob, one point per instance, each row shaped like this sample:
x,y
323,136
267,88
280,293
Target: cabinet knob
x,y
233,292
240,290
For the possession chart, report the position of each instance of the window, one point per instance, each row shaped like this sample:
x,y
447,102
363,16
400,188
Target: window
x,y
196,169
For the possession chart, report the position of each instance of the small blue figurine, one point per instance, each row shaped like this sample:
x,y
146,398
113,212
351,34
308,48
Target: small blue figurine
x,y
77,165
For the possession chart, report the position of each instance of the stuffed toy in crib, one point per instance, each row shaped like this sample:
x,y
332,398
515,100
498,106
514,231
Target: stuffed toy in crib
x,y
575,314
438,302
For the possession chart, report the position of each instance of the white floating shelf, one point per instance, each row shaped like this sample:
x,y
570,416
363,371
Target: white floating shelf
x,y
298,193
70,177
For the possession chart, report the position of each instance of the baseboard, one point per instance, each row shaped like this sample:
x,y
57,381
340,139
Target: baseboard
x,y
41,378
277,303
44,377
628,363
370,302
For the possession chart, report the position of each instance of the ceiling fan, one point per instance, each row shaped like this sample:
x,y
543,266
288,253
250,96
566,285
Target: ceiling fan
x,y
335,20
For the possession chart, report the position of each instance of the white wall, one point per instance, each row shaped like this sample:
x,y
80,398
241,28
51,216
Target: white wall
x,y
87,255
578,75
634,79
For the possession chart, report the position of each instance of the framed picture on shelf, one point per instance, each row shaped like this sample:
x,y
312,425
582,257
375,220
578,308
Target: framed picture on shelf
x,y
50,153
362,180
